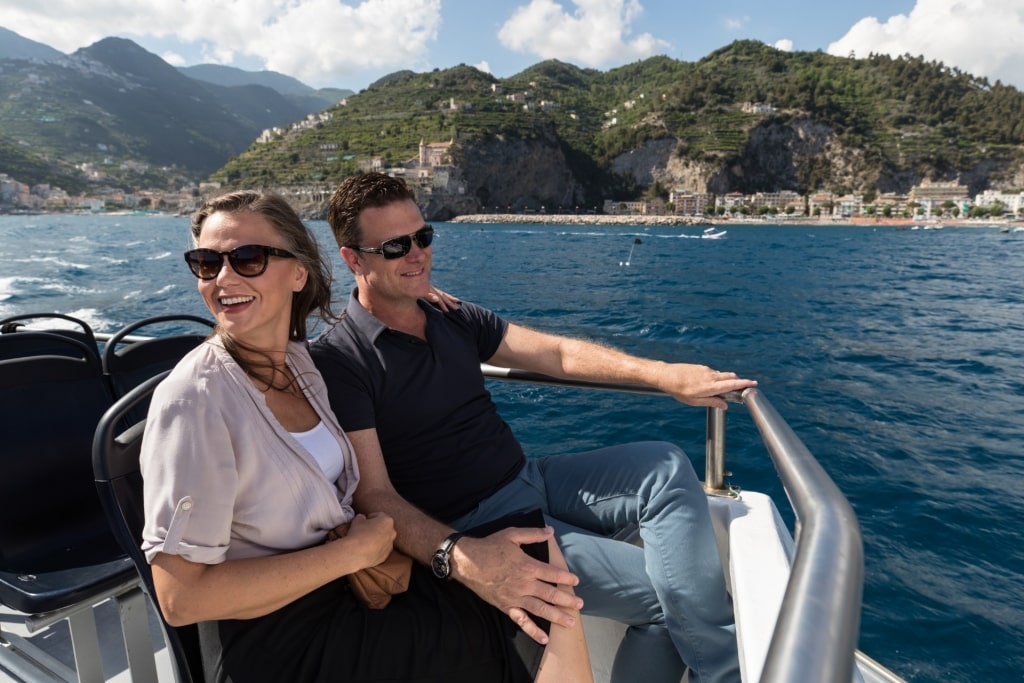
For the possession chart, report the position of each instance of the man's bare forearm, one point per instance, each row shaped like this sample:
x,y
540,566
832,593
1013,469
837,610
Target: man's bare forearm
x,y
418,533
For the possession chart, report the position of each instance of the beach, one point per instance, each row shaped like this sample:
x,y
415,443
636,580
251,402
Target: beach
x,y
636,219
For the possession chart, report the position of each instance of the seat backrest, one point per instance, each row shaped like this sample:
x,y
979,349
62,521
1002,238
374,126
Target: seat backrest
x,y
52,394
11,328
115,463
129,360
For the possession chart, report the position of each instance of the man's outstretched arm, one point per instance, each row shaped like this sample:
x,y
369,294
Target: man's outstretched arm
x,y
567,358
494,567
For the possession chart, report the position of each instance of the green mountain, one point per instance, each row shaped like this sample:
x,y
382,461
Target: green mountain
x,y
745,118
123,114
14,46
293,89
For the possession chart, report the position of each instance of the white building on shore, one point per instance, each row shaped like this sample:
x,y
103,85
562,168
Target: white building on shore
x,y
1013,204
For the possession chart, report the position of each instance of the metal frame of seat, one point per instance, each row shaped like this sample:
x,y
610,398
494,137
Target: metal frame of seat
x,y
17,346
129,360
119,483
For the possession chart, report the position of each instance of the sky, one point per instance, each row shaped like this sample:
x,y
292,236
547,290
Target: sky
x,y
352,43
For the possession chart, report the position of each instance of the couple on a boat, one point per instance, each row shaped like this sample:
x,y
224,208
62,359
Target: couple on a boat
x,y
261,442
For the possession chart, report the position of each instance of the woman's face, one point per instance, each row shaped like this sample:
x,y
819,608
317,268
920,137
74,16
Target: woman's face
x,y
253,310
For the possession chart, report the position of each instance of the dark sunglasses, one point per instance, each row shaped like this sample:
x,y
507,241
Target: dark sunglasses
x,y
248,260
397,247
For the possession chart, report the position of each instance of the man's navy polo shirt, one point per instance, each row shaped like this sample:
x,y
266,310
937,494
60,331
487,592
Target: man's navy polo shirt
x,y
445,446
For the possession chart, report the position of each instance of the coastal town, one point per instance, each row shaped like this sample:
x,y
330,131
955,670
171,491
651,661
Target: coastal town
x,y
433,176
947,203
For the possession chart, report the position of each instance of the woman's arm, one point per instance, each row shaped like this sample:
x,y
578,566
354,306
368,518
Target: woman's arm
x,y
189,592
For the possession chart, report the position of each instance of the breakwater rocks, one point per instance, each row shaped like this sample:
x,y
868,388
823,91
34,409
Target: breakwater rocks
x,y
578,219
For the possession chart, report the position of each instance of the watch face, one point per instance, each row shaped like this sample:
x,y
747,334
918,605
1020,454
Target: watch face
x,y
439,564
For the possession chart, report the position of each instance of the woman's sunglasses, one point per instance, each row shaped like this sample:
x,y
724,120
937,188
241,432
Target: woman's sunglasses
x,y
397,247
249,260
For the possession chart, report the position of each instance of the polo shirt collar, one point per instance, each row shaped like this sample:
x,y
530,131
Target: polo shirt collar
x,y
370,326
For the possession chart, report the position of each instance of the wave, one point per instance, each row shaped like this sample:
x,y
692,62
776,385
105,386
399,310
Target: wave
x,y
96,319
57,261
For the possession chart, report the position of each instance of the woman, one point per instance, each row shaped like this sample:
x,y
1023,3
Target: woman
x,y
246,471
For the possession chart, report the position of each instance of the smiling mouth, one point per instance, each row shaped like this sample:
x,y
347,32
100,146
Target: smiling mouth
x,y
235,300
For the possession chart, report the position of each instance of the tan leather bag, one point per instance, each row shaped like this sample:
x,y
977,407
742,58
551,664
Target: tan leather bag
x,y
375,585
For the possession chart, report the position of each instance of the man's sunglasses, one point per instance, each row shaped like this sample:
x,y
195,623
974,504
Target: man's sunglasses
x,y
249,260
397,247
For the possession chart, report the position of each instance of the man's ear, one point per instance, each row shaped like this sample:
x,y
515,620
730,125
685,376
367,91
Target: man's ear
x,y
352,259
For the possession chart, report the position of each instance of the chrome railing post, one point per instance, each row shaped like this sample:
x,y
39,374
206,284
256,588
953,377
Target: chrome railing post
x,y
714,452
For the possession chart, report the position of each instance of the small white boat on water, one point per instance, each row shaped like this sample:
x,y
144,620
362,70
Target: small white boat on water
x,y
713,233
797,597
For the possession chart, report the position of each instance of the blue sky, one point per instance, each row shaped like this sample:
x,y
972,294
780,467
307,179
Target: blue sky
x,y
351,43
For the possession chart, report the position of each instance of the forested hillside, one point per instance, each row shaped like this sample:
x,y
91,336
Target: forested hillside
x,y
747,118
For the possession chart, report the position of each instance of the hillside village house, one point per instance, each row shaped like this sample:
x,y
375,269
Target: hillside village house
x,y
931,198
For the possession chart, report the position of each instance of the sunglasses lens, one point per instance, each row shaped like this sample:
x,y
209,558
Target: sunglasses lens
x,y
397,247
248,261
424,236
204,263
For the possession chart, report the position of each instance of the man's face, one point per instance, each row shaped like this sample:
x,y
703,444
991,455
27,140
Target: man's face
x,y
403,278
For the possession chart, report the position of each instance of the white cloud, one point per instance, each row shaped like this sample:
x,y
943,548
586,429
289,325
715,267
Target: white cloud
x,y
736,23
596,34
318,41
786,45
981,37
484,66
173,58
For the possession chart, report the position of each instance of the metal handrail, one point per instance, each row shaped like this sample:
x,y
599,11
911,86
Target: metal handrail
x,y
815,636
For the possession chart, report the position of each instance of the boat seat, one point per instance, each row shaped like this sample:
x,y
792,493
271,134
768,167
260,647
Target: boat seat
x,y
118,478
15,346
129,361
58,558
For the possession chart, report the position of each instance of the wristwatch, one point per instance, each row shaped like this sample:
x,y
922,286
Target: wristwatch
x,y
441,560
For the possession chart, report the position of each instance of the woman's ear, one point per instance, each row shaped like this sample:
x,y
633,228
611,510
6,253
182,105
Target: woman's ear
x,y
301,275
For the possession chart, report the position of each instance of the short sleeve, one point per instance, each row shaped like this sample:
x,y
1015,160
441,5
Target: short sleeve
x,y
189,477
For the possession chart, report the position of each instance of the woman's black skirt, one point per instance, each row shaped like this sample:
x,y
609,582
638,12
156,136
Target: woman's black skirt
x,y
437,631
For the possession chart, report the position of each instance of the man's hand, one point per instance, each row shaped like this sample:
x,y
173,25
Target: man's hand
x,y
699,385
497,569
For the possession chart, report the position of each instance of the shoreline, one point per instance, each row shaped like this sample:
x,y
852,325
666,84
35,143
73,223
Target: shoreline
x,y
628,219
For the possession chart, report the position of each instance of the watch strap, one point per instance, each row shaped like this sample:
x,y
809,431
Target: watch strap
x,y
450,542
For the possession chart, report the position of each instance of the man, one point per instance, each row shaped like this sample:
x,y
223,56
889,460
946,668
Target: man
x,y
404,379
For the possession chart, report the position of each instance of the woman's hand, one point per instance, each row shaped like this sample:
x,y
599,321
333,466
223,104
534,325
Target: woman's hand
x,y
372,538
443,300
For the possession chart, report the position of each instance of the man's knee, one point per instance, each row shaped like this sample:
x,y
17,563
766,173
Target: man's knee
x,y
663,458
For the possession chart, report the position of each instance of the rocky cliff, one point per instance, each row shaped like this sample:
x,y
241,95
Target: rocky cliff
x,y
800,155
503,173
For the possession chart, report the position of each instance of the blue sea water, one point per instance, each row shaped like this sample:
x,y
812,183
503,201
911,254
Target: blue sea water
x,y
897,356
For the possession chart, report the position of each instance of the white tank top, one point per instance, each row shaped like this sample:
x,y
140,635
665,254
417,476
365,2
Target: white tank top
x,y
322,445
